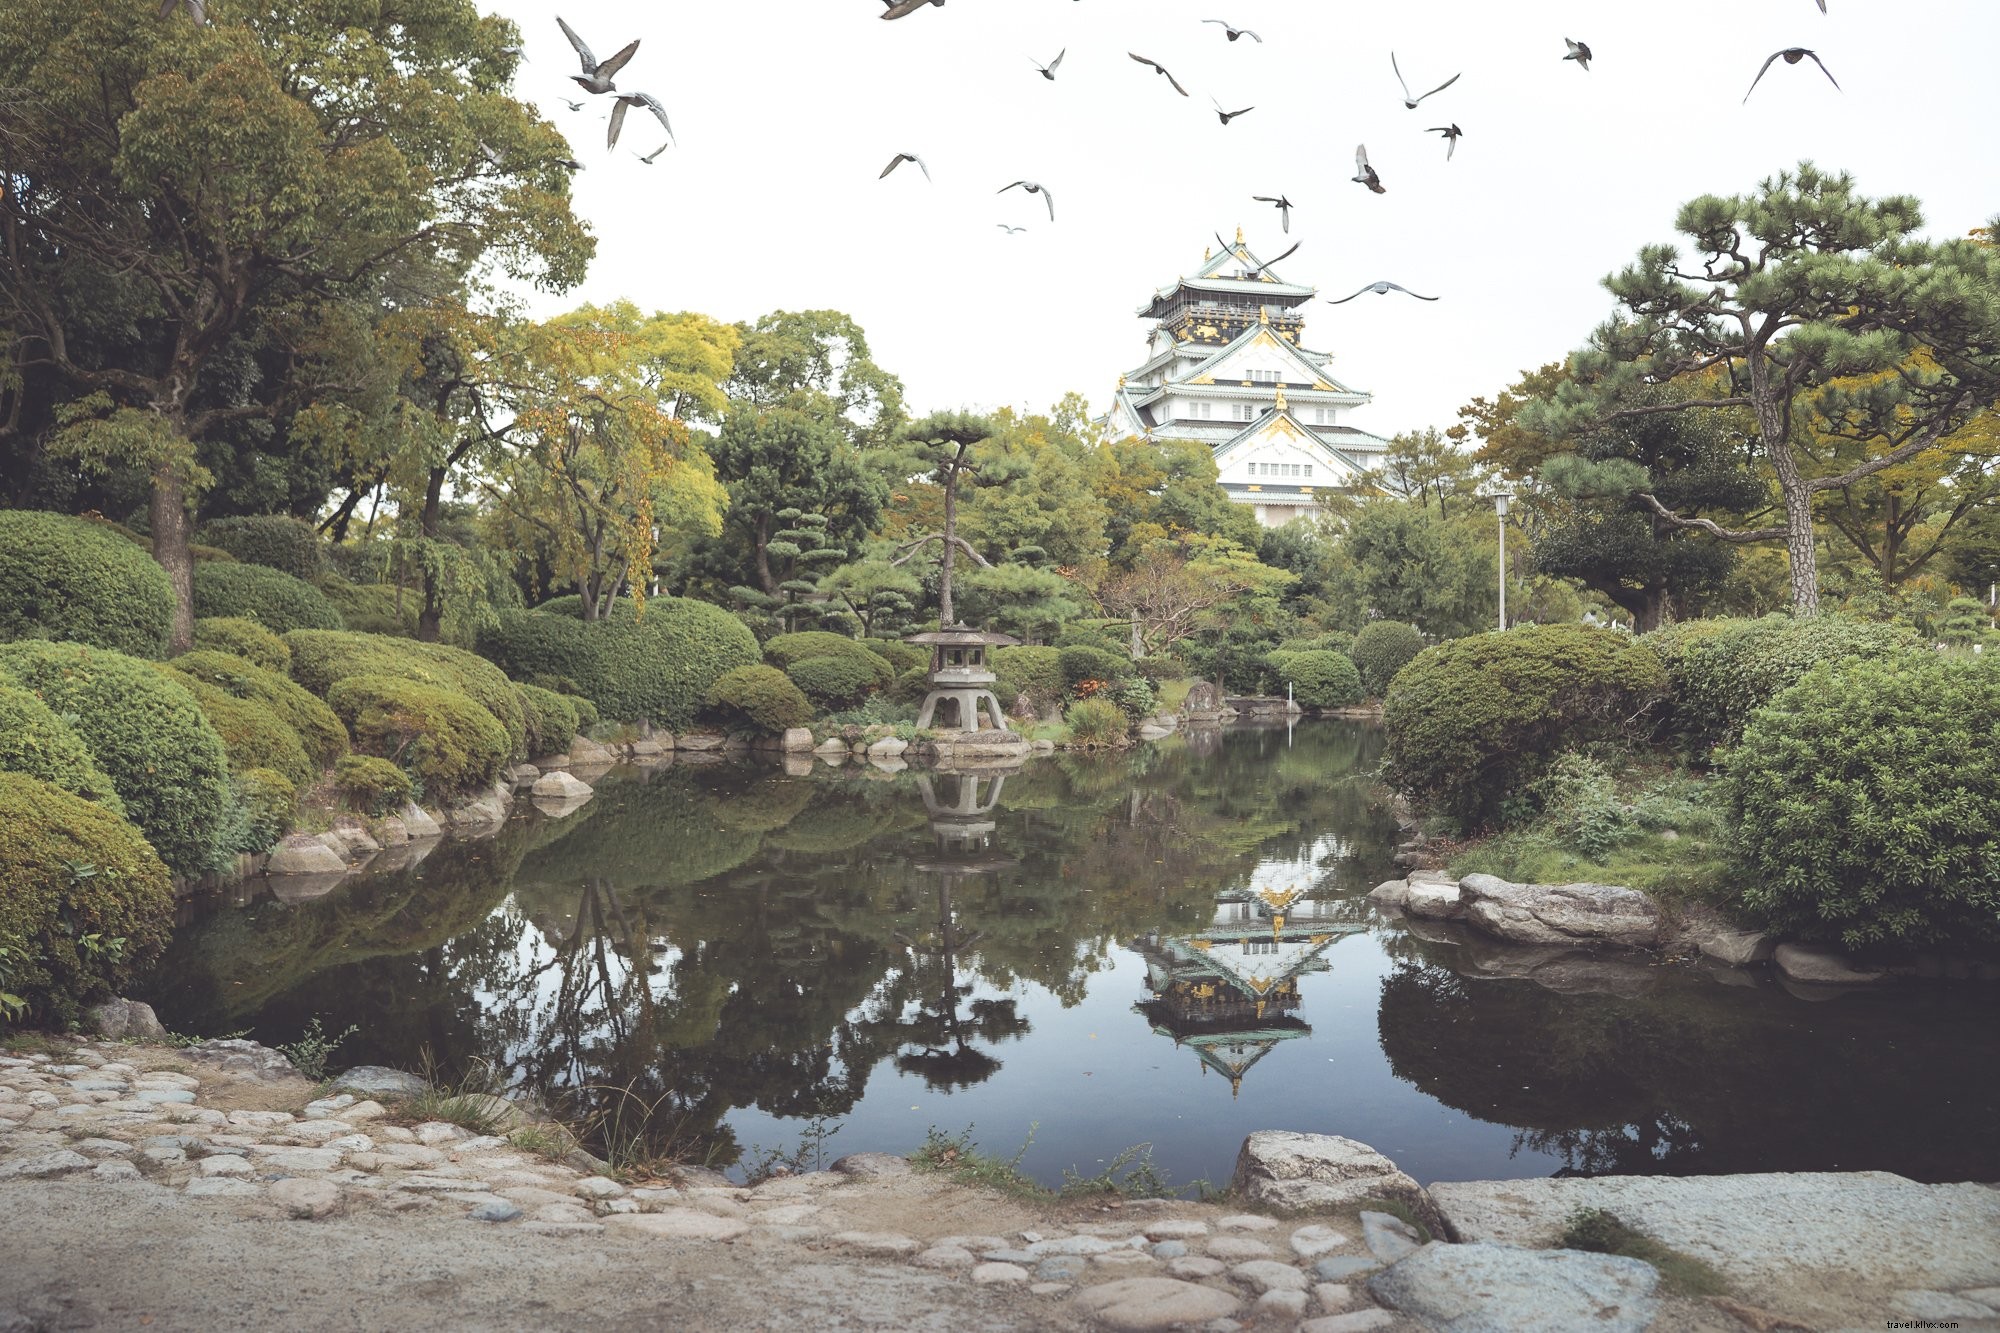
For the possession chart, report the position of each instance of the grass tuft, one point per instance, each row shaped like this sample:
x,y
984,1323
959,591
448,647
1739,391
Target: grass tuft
x,y
957,1157
1601,1232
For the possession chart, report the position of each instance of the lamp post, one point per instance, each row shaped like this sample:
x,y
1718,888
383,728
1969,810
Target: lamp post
x,y
1500,507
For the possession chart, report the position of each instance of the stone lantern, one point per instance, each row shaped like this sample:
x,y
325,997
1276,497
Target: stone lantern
x,y
961,680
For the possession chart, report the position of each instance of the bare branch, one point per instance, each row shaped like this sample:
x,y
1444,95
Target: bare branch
x,y
1711,527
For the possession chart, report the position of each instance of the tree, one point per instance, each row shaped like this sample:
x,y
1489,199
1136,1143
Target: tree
x,y
1426,466
940,447
1173,589
1437,574
879,595
1153,489
1900,518
171,184
1049,505
1022,598
1791,289
795,552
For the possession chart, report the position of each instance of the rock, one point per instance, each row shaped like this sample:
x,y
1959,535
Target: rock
x,y
1434,900
871,1164
1312,1242
1824,966
1940,1307
598,1187
1072,1245
1042,746
560,786
354,838
226,1166
1170,1249
1738,948
303,854
1357,1321
378,1081
878,1242
305,1199
1269,1275
115,1168
1195,1268
796,740
419,821
1173,1228
1039,1288
1246,1222
647,747
587,753
1388,1237
393,832
1319,1173
1153,1303
43,1165
1492,1287
235,1055
990,1274
1238,1248
220,1187
1282,1304
1390,893
699,741
479,812
116,1020
1561,913
1332,1297
889,747
939,1256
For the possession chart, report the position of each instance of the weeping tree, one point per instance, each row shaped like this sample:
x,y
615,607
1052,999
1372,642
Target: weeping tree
x,y
1818,310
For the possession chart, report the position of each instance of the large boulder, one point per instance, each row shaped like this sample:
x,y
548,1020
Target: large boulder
x,y
560,786
419,822
1434,897
1824,966
1737,948
1494,1289
303,854
1154,1302
132,1020
380,1081
1295,1172
1561,913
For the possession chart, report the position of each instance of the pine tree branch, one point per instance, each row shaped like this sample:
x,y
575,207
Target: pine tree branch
x,y
1711,527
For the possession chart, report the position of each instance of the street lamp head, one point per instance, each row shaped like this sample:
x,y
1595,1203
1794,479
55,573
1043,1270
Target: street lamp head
x,y
1500,499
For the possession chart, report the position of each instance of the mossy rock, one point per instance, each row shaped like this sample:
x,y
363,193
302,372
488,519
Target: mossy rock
x,y
70,578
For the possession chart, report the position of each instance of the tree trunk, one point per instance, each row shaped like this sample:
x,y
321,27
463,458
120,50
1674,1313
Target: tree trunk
x,y
1771,425
765,579
172,533
945,616
430,620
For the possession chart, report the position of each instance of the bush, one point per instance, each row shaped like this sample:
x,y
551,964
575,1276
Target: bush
x,y
276,541
786,649
245,639
833,683
656,668
69,578
319,731
36,742
1034,672
1080,634
1331,641
87,902
1086,663
760,697
253,735
1471,720
1096,722
450,743
1865,798
550,718
321,659
1135,697
264,805
372,786
902,656
1721,679
1381,649
373,608
148,735
1322,680
271,597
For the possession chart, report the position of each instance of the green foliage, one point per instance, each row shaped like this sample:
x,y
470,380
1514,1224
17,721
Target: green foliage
x,y
371,785
87,902
1323,680
1381,649
276,541
1135,696
314,1047
1031,671
1085,634
253,735
1471,720
1410,564
374,608
760,697
1865,799
322,658
318,730
1082,663
1329,641
1580,805
902,656
1720,680
148,735
957,1157
271,597
38,743
449,742
1096,722
69,578
245,639
834,683
585,710
550,718
1967,622
265,802
786,649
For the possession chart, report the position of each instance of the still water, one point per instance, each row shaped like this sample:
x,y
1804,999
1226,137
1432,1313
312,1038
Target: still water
x,y
1170,946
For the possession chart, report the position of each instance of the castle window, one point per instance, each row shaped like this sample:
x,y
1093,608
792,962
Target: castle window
x,y
1309,469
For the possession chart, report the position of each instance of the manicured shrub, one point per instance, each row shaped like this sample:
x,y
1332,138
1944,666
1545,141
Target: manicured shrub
x,y
902,656
372,785
277,541
1381,649
34,741
834,683
1329,641
271,597
655,668
148,735
1081,634
321,659
320,733
1082,662
1096,722
1865,798
265,804
550,718
586,712
1323,680
786,649
253,735
1720,680
373,608
760,697
69,578
448,742
1035,672
245,639
1470,721
87,902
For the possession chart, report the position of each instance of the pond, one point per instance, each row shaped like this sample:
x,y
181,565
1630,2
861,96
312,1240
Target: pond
x,y
1170,945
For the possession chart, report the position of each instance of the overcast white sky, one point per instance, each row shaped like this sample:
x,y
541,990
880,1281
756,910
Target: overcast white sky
x,y
786,110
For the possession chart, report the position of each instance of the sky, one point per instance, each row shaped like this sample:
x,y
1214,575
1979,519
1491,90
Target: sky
x,y
786,110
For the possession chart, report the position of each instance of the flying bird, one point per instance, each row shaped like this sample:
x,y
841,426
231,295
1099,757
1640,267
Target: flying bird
x,y
648,158
1229,249
1409,101
1822,6
1451,135
1227,116
597,74
1235,32
626,101
1049,70
900,158
196,10
1034,187
1363,173
574,106
1284,208
899,8
1161,69
1009,230
1380,289
1578,51
1791,55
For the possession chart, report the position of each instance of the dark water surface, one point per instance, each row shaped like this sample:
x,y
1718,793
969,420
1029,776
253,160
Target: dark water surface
x,y
1170,945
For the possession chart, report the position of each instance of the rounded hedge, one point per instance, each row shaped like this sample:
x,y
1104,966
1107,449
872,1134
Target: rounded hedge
x,y
902,656
276,541
550,719
319,731
1034,671
760,697
1381,649
1323,680
1720,680
245,639
1082,662
271,597
36,742
1866,796
448,742
69,578
834,683
586,711
146,732
1470,721
373,608
51,906
253,735
371,785
785,649
323,658
1329,641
